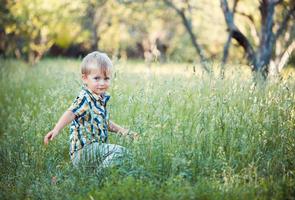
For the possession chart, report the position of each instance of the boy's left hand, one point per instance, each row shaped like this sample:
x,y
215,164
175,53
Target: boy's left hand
x,y
130,134
134,135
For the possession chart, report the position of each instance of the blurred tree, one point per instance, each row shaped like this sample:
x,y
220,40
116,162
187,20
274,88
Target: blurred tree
x,y
93,18
31,26
268,38
129,29
3,12
184,10
149,29
168,24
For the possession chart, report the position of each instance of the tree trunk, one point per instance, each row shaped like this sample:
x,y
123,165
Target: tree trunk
x,y
188,27
259,60
237,34
266,39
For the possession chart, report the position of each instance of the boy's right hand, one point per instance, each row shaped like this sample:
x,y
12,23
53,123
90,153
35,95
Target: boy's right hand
x,y
49,136
134,136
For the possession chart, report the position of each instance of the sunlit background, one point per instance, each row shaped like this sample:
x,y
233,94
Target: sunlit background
x,y
149,30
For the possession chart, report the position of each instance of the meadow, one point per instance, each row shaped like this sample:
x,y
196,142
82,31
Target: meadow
x,y
201,137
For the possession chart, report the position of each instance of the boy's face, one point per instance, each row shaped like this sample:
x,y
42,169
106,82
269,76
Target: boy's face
x,y
97,81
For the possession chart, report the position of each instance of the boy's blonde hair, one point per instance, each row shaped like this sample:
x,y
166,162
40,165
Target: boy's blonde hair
x,y
96,60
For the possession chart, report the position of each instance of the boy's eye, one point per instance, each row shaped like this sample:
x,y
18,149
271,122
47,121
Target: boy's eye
x,y
96,78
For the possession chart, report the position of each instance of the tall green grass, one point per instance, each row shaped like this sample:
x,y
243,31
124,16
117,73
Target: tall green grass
x,y
201,137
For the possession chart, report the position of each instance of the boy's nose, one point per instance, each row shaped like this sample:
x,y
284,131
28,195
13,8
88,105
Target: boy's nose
x,y
101,82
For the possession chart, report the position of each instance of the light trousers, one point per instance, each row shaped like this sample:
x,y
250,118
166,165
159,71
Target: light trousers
x,y
100,154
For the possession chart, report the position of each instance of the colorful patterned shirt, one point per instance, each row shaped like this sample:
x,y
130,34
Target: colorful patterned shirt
x,y
91,121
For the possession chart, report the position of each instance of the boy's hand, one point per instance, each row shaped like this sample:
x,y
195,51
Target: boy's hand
x,y
49,136
130,134
134,135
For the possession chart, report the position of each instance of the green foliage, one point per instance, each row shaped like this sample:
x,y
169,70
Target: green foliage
x,y
34,26
201,137
29,28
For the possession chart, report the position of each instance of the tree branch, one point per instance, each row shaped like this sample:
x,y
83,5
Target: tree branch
x,y
286,55
236,33
235,6
193,37
277,1
227,44
284,22
253,29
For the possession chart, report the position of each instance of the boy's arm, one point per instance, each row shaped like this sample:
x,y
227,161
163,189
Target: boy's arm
x,y
113,127
64,120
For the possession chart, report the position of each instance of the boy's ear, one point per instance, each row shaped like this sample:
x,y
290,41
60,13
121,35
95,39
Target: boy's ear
x,y
84,77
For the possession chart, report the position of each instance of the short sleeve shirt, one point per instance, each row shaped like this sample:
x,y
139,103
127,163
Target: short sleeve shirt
x,y
91,121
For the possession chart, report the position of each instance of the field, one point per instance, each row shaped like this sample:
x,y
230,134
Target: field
x,y
201,137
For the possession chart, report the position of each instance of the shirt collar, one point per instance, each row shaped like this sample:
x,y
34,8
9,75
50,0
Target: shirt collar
x,y
103,98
